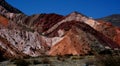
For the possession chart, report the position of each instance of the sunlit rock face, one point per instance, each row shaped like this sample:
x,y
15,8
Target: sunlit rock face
x,y
52,34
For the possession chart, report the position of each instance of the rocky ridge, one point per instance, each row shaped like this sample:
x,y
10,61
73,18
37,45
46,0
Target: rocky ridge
x,y
114,19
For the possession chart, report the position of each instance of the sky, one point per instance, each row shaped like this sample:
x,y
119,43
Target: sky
x,y
91,8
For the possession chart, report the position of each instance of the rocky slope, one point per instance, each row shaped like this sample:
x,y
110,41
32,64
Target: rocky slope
x,y
114,19
109,30
79,39
53,34
8,7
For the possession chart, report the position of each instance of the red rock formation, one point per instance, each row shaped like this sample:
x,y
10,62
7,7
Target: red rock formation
x,y
117,37
3,21
80,39
70,44
47,21
109,30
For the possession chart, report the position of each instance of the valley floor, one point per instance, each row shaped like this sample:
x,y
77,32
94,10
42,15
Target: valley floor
x,y
65,61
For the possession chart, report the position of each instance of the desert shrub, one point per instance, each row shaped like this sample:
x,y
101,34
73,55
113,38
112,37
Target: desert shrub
x,y
68,55
22,62
105,52
45,61
36,62
77,57
109,60
2,58
60,58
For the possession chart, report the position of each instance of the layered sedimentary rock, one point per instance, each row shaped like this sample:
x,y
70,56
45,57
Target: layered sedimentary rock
x,y
109,30
80,39
53,34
